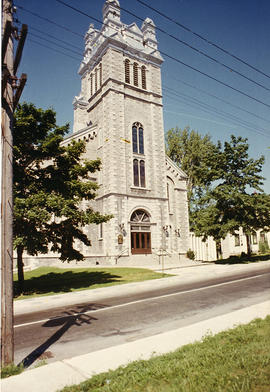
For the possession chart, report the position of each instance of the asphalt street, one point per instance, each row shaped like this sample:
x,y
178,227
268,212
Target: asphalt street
x,y
58,333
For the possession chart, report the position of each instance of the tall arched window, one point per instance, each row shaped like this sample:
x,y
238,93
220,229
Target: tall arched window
x,y
143,77
137,138
142,173
135,74
136,172
138,148
127,71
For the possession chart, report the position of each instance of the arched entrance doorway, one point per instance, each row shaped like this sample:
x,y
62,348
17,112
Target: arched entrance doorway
x,y
140,232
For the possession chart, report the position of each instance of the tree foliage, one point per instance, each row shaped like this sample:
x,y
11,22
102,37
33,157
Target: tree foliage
x,y
50,183
194,154
224,186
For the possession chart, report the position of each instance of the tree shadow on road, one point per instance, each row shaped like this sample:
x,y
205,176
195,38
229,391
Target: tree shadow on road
x,y
73,317
55,282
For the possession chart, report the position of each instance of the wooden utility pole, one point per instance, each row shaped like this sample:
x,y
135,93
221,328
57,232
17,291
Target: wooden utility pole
x,y
7,337
9,85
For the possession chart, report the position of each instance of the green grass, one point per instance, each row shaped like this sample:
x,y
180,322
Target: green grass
x,y
243,259
11,370
237,360
52,280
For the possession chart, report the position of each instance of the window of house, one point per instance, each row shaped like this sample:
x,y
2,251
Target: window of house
x,y
254,239
262,237
127,71
135,74
236,240
143,77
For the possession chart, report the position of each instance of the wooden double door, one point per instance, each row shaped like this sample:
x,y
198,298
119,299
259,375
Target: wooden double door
x,y
140,242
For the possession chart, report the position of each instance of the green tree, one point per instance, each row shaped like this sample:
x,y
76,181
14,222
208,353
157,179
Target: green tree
x,y
50,183
236,199
195,154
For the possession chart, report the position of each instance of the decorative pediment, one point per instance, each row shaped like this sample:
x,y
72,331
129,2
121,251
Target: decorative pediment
x,y
174,171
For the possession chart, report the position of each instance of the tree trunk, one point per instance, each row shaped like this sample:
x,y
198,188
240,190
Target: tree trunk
x,y
20,268
248,245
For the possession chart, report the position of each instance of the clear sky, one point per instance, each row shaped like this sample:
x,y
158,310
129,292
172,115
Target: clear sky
x,y
190,98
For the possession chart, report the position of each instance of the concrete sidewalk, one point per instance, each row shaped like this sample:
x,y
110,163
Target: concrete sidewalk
x,y
52,377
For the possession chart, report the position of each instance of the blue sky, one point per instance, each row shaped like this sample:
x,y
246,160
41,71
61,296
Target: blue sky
x,y
190,98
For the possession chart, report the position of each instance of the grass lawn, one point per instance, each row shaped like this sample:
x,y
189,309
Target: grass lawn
x,y
52,280
237,360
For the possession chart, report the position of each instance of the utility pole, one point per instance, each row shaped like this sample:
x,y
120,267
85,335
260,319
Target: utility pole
x,y
9,101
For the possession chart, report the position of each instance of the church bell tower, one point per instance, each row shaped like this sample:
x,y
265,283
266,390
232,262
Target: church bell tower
x,y
119,114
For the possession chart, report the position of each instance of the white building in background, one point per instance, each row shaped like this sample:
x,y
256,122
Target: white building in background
x,y
119,114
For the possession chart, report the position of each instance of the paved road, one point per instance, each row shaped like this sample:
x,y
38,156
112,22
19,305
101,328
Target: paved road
x,y
83,328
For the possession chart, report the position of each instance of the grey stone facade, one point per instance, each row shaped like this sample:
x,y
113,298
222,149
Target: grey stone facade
x,y
120,87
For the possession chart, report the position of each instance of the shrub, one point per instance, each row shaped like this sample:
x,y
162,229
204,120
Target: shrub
x,y
190,254
263,247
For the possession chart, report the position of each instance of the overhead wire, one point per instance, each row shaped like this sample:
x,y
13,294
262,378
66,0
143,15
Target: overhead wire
x,y
221,113
55,50
220,99
54,43
173,58
49,21
231,69
204,39
207,108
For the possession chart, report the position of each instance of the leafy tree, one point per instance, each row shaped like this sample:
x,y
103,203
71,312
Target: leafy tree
x,y
194,154
236,199
50,183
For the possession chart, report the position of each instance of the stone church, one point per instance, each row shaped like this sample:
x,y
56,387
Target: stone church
x,y
119,114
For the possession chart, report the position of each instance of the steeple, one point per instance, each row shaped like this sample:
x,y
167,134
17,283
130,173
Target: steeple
x,y
111,13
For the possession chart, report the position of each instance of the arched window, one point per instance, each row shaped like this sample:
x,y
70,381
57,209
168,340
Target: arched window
x,y
141,144
139,173
134,138
135,74
137,138
142,173
143,77
127,71
100,74
136,172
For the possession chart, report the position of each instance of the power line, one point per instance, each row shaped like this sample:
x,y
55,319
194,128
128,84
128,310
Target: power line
x,y
48,20
54,43
203,38
201,52
221,99
51,36
173,58
55,50
211,109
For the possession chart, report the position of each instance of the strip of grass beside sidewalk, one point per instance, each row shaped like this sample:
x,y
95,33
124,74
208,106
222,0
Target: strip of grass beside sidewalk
x,y
52,280
237,360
